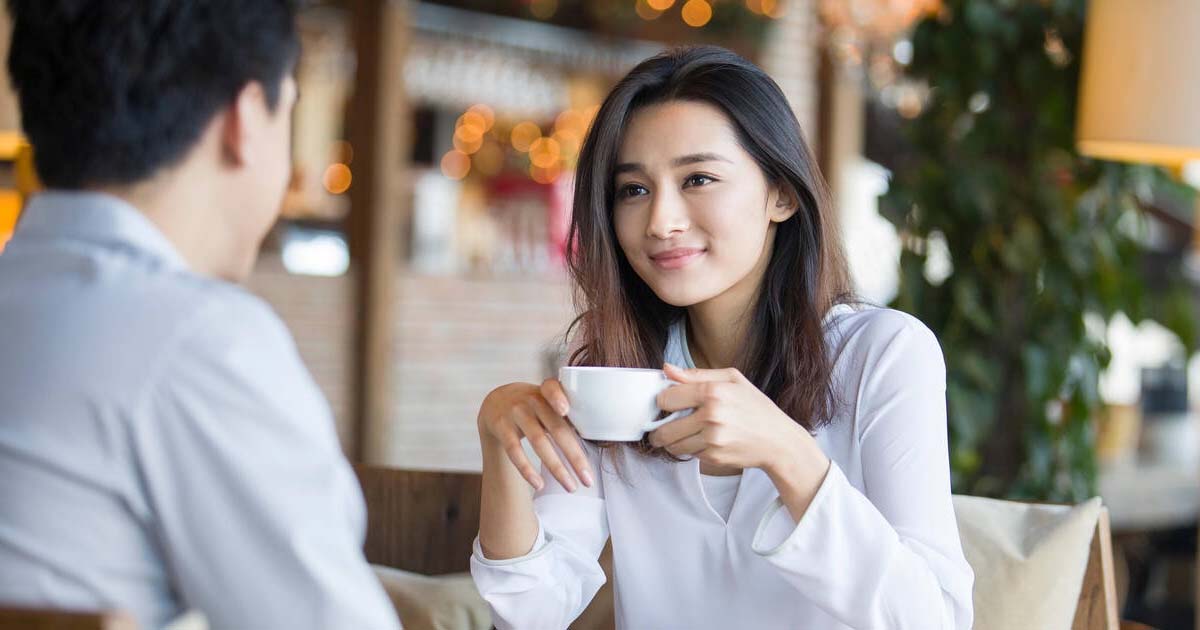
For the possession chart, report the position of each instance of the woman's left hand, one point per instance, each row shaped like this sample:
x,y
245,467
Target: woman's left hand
x,y
734,425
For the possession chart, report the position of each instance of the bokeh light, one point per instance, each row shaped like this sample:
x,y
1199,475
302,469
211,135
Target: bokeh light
x,y
544,152
337,178
524,134
456,164
696,13
645,11
546,175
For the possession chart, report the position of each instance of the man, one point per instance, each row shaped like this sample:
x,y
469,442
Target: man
x,y
161,446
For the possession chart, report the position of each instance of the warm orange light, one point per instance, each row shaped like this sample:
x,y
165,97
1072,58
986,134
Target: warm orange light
x,y
10,208
472,123
569,141
645,11
544,152
337,178
467,140
524,134
755,6
696,13
486,113
570,120
545,175
774,8
456,164
660,5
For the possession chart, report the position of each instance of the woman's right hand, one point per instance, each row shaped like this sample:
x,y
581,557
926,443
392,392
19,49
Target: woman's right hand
x,y
523,410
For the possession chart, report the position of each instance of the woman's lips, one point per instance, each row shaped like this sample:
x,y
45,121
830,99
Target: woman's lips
x,y
676,258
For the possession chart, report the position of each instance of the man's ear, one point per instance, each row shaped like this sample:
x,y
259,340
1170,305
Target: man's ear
x,y
237,145
784,202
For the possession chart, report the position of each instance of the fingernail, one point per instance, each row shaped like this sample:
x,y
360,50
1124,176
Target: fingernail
x,y
587,479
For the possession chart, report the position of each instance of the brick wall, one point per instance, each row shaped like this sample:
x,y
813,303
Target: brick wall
x,y
456,340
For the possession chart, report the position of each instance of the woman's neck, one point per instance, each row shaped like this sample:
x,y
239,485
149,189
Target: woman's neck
x,y
714,340
719,328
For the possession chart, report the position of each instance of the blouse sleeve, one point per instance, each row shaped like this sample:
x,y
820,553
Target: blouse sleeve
x,y
890,556
552,584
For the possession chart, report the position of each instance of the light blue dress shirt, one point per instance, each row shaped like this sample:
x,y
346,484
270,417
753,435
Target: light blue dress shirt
x,y
162,448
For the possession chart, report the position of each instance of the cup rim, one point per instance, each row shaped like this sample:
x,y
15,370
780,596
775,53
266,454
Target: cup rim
x,y
605,368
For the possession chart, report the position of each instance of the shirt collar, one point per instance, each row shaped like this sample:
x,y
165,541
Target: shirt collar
x,y
96,218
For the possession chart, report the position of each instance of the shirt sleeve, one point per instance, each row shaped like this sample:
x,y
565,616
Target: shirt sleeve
x,y
551,585
889,557
259,515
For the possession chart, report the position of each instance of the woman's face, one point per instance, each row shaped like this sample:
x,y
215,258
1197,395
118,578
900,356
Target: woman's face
x,y
694,213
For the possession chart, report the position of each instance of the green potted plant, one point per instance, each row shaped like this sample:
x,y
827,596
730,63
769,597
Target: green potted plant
x,y
1045,246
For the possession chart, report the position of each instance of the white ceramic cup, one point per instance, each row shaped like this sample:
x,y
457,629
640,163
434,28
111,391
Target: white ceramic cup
x,y
615,404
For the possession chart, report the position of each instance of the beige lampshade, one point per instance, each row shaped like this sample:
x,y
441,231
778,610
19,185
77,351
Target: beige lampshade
x,y
1140,88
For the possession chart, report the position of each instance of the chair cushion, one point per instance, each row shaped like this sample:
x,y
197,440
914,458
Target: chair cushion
x,y
1029,560
444,602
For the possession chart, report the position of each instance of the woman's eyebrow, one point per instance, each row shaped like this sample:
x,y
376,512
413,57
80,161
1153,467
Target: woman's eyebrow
x,y
691,158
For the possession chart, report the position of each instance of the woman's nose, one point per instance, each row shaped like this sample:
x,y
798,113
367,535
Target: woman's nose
x,y
668,215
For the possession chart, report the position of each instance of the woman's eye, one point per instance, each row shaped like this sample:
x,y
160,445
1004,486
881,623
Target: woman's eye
x,y
697,180
631,190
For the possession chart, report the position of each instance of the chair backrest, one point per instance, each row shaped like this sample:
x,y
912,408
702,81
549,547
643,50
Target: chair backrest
x,y
425,522
1097,609
45,619
420,521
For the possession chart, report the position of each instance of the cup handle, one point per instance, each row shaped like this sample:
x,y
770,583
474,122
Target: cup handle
x,y
671,418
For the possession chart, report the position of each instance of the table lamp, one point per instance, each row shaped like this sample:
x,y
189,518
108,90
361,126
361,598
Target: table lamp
x,y
1139,97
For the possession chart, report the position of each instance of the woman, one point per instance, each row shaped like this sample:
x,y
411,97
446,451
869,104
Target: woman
x,y
810,486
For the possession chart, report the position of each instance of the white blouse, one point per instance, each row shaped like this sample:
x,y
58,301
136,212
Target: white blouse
x,y
720,492
878,547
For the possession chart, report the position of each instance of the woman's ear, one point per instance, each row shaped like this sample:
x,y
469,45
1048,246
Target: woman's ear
x,y
782,203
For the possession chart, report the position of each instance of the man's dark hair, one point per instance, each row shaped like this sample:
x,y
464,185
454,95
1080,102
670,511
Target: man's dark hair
x,y
112,91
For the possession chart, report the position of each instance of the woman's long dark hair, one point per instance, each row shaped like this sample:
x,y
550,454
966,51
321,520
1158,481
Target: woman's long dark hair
x,y
623,323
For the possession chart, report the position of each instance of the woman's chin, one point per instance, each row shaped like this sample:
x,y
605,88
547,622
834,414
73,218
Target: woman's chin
x,y
680,297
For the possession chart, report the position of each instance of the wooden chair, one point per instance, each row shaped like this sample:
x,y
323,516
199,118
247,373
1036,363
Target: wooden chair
x,y
43,619
1097,608
426,521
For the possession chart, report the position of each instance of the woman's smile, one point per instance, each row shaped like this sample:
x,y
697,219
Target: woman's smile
x,y
677,258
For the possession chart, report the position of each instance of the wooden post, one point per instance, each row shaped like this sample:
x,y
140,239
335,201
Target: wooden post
x,y
380,132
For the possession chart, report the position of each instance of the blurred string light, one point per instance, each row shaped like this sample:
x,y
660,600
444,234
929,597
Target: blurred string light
x,y
483,144
696,13
699,13
856,28
456,164
770,8
523,136
647,10
872,35
337,178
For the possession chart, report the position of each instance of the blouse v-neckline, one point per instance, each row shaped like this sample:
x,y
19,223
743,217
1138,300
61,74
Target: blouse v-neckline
x,y
694,478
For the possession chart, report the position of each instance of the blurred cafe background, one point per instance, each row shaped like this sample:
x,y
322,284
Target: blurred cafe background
x,y
1019,174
